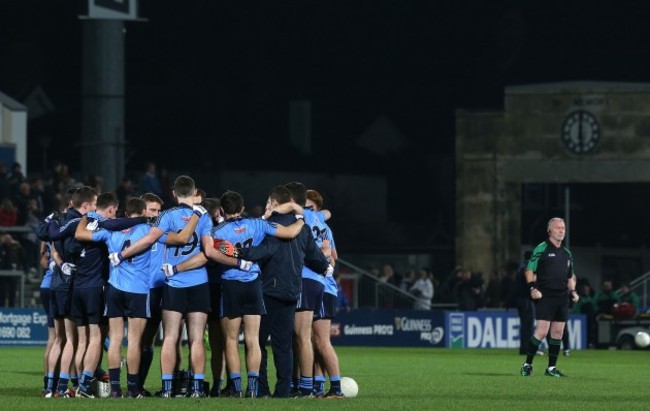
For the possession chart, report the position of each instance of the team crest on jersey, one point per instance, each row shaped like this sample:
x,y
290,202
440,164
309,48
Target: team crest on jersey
x,y
240,230
125,231
186,219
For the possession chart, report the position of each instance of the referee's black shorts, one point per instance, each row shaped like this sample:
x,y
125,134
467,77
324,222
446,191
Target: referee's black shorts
x,y
553,306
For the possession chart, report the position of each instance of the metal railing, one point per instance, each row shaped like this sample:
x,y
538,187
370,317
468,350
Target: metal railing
x,y
368,291
640,286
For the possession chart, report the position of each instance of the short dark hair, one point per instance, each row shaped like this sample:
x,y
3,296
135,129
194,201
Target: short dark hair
x,y
232,202
184,186
298,192
281,194
211,205
105,200
83,195
151,198
135,206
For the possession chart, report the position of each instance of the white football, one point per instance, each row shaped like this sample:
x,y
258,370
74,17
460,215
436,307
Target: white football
x,y
642,339
349,387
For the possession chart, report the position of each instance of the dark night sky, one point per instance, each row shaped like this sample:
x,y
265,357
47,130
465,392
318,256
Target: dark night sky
x,y
232,67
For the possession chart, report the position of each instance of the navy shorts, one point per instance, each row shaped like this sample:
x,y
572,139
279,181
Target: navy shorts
x,y
239,298
155,304
45,300
215,301
60,303
186,300
329,308
553,306
311,296
125,304
87,306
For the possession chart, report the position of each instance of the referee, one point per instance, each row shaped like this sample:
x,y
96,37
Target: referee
x,y
550,277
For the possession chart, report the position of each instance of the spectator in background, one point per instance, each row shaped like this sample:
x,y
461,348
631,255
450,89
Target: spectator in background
x,y
15,178
124,193
408,280
12,257
388,275
37,192
8,213
587,305
606,298
94,181
423,290
448,288
61,178
628,296
493,293
4,181
20,199
149,183
469,291
342,301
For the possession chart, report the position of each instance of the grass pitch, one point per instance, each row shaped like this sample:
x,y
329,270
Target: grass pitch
x,y
397,379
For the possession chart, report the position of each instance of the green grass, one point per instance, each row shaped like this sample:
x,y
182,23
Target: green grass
x,y
400,379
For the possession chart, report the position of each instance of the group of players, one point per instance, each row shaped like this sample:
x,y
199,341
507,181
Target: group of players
x,y
200,263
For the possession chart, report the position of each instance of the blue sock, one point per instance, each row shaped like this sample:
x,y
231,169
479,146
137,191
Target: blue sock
x,y
319,384
235,379
167,382
335,383
49,384
75,380
63,382
295,383
252,382
306,385
84,381
145,364
114,375
197,382
133,383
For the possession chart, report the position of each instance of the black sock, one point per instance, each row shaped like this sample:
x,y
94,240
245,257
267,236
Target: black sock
x,y
553,351
533,346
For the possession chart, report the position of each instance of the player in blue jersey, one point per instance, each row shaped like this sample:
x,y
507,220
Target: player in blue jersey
x,y
127,295
310,302
153,205
325,356
185,295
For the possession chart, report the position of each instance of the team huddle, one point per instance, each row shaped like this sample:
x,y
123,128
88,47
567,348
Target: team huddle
x,y
198,265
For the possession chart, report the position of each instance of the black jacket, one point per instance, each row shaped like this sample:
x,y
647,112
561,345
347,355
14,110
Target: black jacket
x,y
281,261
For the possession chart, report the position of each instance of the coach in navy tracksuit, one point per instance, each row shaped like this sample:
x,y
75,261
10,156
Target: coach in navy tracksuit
x,y
281,262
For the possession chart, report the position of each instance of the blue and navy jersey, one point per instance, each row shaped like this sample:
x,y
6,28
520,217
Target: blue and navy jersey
x,y
132,274
243,233
174,220
47,275
91,259
156,252
330,283
316,222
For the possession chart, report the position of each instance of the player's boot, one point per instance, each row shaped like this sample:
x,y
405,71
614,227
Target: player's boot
x,y
526,370
334,394
554,373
